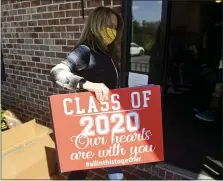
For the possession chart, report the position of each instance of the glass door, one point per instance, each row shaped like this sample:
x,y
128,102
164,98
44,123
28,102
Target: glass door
x,y
145,40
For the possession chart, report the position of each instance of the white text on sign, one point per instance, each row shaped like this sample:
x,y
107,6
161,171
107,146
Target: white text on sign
x,y
136,103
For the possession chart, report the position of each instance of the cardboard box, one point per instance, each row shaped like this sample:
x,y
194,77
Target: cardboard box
x,y
28,152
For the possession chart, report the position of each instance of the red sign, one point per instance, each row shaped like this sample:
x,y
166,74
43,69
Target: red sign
x,y
125,129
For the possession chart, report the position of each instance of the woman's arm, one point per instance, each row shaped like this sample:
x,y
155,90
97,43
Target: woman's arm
x,y
65,73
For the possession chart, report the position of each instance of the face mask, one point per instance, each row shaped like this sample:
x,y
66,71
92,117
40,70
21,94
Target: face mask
x,y
108,35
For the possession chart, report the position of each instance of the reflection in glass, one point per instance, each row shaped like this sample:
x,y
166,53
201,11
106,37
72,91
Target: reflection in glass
x,y
146,17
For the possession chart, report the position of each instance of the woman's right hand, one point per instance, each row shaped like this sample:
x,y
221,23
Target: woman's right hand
x,y
101,90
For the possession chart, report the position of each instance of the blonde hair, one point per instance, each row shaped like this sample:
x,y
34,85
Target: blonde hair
x,y
98,19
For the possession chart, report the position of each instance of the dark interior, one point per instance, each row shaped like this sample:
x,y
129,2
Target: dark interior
x,y
190,142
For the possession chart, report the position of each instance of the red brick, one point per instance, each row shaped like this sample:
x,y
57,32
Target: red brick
x,y
56,1
141,174
25,4
22,62
25,47
117,2
19,30
55,35
38,41
61,55
91,3
36,81
30,64
18,18
60,41
47,94
16,5
3,19
141,166
36,70
65,6
36,16
28,69
162,173
129,169
45,2
169,176
34,35
67,49
20,40
154,178
176,177
66,21
34,47
4,2
43,88
72,28
10,18
154,170
35,3
53,8
47,15
90,175
24,23
44,47
71,42
78,21
32,23
45,71
107,2
77,35
33,75
118,9
41,65
130,176
42,22
48,29
76,5
36,59
41,9
59,14
73,13
5,13
59,28
50,54
102,172
49,66
38,29
54,22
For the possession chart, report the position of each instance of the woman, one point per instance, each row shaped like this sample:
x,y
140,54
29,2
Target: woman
x,y
92,64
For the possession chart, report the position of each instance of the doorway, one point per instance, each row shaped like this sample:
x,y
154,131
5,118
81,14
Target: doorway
x,y
165,46
192,108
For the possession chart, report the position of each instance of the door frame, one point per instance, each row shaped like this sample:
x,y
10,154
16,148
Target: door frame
x,y
126,40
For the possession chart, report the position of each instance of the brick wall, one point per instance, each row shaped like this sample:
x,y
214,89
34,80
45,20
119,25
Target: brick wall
x,y
36,35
